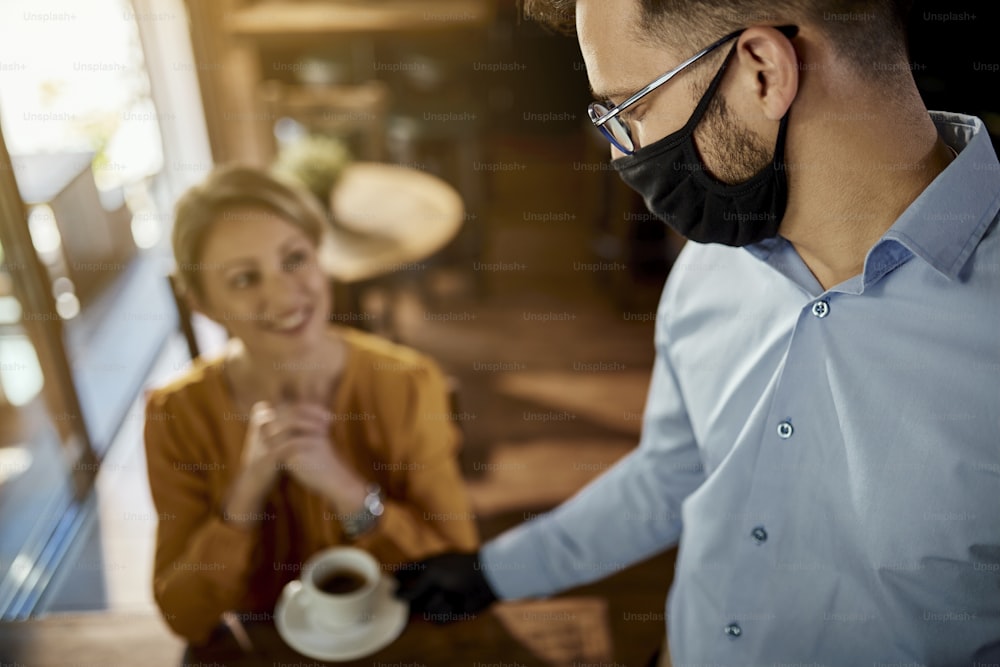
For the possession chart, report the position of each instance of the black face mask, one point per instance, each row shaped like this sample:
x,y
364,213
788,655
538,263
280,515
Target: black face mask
x,y
671,177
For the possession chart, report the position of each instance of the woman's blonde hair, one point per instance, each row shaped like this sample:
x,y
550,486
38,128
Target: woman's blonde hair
x,y
230,187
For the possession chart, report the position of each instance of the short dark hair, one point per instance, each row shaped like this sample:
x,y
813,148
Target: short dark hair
x,y
870,34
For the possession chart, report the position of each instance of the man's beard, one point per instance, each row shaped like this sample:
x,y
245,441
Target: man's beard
x,y
736,153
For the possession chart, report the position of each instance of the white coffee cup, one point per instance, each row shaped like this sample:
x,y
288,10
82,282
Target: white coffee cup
x,y
339,587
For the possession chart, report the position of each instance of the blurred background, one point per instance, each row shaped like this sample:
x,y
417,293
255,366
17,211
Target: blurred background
x,y
536,294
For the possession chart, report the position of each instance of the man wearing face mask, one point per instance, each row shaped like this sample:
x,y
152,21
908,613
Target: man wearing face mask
x,y
822,431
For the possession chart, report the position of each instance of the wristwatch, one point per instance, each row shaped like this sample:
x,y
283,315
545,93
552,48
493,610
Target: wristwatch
x,y
357,524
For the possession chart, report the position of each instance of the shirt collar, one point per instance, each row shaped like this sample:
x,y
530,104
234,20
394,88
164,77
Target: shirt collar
x,y
945,223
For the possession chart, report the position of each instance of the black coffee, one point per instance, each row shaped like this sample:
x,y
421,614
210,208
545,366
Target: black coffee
x,y
340,582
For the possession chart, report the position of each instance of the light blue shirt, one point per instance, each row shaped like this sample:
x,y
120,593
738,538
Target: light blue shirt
x,y
828,460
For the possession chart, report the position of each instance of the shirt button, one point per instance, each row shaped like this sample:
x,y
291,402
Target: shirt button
x,y
821,309
785,429
759,535
733,630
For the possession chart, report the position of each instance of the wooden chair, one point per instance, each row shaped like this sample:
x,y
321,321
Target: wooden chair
x,y
184,316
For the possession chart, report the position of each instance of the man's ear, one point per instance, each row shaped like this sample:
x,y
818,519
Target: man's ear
x,y
771,60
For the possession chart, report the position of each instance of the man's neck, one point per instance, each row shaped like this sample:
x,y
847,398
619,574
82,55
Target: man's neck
x,y
870,169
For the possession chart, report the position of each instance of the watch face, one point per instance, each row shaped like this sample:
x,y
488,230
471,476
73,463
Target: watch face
x,y
373,503
365,520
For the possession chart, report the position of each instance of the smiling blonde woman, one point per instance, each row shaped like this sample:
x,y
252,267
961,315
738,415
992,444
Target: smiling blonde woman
x,y
301,435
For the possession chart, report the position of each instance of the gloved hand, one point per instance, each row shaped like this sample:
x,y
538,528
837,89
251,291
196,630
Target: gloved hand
x,y
446,588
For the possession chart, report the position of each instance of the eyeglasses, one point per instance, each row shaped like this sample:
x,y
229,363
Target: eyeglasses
x,y
606,117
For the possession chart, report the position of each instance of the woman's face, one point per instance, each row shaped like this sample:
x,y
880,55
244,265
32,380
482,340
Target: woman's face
x,y
261,280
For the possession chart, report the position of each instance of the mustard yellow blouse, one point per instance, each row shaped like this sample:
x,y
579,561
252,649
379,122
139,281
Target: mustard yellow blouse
x,y
392,424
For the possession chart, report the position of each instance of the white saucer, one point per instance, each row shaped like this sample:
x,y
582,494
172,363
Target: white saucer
x,y
357,641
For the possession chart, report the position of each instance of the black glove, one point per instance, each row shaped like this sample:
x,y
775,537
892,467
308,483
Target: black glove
x,y
445,588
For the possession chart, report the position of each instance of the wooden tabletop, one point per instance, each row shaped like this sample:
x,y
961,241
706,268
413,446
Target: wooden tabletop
x,y
92,638
312,18
388,219
557,632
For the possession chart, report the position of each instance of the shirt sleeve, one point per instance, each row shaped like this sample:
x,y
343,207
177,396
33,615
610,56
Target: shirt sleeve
x,y
627,514
427,508
202,562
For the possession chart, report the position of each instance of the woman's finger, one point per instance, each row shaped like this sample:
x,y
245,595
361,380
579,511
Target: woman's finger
x,y
302,410
261,413
282,428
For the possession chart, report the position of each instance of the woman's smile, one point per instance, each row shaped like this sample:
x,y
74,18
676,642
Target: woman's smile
x,y
291,323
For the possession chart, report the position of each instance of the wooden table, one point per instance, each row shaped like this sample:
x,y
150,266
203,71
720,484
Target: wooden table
x,y
558,632
388,218
95,638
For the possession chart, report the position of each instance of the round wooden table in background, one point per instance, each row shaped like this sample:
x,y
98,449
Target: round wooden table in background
x,y
388,218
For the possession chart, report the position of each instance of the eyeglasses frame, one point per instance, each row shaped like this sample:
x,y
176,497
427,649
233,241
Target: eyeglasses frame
x,y
599,121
